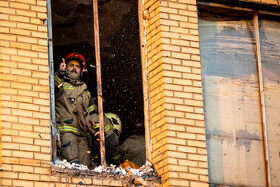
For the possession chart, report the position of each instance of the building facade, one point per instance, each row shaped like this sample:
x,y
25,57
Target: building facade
x,y
183,147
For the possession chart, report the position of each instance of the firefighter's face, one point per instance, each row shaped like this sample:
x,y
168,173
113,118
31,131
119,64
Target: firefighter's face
x,y
74,66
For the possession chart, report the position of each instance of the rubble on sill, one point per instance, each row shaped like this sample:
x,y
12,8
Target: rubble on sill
x,y
145,172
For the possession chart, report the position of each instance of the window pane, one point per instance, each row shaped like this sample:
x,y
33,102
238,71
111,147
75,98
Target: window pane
x,y
270,51
231,101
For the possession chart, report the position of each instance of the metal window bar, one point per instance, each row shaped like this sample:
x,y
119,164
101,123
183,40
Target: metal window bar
x,y
51,83
99,82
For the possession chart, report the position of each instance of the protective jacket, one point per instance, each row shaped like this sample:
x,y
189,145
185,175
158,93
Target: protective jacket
x,y
70,93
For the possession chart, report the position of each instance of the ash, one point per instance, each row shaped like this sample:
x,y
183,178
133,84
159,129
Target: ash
x,y
145,171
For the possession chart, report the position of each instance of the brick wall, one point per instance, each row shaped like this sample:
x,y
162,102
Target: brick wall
x,y
174,73
25,146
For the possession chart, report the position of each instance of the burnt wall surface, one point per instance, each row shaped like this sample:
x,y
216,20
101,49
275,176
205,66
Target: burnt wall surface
x,y
73,30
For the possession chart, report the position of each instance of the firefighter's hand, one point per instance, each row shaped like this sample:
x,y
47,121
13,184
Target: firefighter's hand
x,y
97,136
62,66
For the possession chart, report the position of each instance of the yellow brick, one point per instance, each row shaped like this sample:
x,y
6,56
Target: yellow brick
x,y
10,145
25,147
44,68
190,50
42,156
9,118
5,10
26,13
189,37
4,57
40,61
8,50
19,112
4,17
7,37
27,176
20,45
39,8
194,116
9,175
41,88
6,153
3,3
6,138
5,97
23,154
5,111
188,176
28,53
28,106
39,48
28,80
198,184
203,178
30,162
36,21
10,160
40,75
200,137
20,19
20,32
43,130
46,171
44,109
9,132
6,182
18,139
28,93
188,163
8,64
197,157
27,26
196,130
41,115
22,126
178,182
21,86
5,70
183,56
5,83
44,95
22,183
39,34
183,108
45,123
21,59
9,103
22,99
19,5
4,43
202,151
42,42
28,134
85,181
43,55
44,82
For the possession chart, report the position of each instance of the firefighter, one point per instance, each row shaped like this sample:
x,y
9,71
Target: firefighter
x,y
76,115
112,130
73,107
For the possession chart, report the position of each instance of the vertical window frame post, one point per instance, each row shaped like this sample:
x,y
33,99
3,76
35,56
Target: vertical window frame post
x,y
99,82
262,100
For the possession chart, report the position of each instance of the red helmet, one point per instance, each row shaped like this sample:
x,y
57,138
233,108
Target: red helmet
x,y
78,57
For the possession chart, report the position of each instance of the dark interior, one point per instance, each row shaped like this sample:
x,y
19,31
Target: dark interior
x,y
73,31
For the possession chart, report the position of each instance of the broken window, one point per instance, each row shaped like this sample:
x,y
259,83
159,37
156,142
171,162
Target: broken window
x,y
232,95
73,31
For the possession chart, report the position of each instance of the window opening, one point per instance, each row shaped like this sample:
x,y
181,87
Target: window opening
x,y
72,31
235,81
